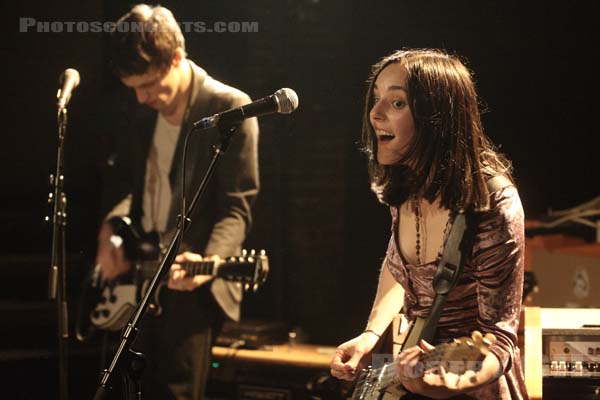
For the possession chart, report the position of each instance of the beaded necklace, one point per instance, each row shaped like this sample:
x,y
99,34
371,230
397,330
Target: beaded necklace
x,y
418,217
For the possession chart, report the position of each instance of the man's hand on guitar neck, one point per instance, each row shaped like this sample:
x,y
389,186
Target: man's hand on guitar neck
x,y
177,275
110,257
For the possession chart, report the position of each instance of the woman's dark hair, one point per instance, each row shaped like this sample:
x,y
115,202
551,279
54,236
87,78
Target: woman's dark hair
x,y
450,155
146,37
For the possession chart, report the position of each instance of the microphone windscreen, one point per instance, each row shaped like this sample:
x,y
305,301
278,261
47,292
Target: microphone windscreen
x,y
67,74
287,100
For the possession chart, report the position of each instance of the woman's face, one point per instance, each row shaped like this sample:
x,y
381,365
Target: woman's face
x,y
390,116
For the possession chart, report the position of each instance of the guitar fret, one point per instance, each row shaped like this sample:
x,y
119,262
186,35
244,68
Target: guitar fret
x,y
382,375
198,268
207,267
389,374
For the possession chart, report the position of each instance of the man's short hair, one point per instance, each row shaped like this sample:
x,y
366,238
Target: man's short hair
x,y
146,37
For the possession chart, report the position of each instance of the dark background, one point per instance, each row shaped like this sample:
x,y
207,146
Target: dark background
x,y
324,231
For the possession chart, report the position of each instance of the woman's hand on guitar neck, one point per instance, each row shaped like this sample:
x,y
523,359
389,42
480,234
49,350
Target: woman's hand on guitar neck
x,y
177,275
110,257
348,358
437,382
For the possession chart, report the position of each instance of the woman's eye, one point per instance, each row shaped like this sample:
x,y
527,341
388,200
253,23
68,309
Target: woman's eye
x,y
398,103
375,100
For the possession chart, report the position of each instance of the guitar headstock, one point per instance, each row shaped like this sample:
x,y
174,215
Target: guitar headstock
x,y
251,269
261,269
461,354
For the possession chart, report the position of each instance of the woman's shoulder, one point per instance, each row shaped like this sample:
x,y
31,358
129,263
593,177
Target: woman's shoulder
x,y
505,206
504,196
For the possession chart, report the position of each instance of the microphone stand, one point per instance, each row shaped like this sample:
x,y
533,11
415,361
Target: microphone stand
x,y
57,274
131,363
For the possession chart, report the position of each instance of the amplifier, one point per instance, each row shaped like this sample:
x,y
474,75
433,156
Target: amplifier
x,y
571,354
252,334
279,372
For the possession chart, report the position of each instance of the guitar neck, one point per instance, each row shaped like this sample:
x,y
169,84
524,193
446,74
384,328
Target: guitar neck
x,y
199,268
459,356
250,270
192,268
387,375
461,353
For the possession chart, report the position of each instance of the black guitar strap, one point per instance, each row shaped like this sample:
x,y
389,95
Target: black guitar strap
x,y
458,246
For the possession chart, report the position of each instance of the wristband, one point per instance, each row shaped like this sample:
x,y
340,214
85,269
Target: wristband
x,y
373,332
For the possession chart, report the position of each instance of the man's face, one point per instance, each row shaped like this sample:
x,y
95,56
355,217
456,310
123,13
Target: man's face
x,y
155,88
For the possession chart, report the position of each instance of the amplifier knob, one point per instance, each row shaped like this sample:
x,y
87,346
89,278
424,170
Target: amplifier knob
x,y
562,366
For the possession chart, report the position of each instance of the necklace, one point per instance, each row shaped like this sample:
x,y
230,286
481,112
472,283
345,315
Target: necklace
x,y
418,223
417,208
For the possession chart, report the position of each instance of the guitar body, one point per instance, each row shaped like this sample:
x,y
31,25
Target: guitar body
x,y
115,306
109,306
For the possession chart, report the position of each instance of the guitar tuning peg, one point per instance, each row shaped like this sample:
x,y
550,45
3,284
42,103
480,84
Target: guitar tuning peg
x,y
250,259
255,287
244,252
241,259
246,286
263,253
253,252
231,258
489,338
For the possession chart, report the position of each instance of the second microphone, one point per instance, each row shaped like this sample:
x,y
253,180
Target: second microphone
x,y
283,101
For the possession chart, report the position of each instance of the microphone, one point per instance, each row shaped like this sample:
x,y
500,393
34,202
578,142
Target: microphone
x,y
283,101
69,80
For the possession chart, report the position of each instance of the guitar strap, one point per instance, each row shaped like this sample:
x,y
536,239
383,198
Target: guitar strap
x,y
458,246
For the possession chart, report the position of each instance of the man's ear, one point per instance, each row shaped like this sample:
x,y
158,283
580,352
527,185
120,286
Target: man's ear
x,y
177,57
